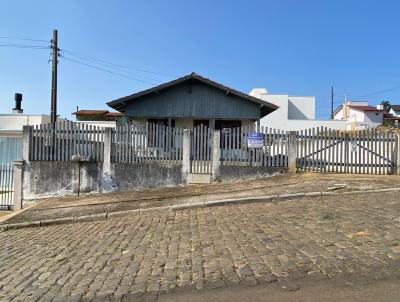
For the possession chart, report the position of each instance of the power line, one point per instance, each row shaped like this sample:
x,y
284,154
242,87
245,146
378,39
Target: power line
x,y
82,56
106,70
109,65
24,46
23,39
377,92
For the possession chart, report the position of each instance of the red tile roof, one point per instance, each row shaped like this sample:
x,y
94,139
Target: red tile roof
x,y
98,112
365,108
114,114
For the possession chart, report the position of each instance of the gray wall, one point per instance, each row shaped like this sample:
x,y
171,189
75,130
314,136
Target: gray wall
x,y
43,178
196,100
131,176
234,173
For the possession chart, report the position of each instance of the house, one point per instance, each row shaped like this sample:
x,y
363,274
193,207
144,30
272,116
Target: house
x,y
395,110
392,118
294,112
193,100
99,118
11,130
11,125
359,115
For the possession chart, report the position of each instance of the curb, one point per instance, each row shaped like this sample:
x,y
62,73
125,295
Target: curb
x,y
180,207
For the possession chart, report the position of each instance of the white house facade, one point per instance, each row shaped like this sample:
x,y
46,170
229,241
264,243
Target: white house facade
x,y
395,110
294,112
359,115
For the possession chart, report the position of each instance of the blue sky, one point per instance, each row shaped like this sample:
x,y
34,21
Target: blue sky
x,y
296,47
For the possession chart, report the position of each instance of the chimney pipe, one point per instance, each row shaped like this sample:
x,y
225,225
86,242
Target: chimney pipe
x,y
18,101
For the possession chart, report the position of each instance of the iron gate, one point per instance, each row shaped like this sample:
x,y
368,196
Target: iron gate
x,y
6,186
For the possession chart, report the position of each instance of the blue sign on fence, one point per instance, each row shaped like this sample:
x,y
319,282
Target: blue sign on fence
x,y
255,140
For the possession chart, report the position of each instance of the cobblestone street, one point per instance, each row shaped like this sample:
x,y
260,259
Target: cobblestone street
x,y
124,258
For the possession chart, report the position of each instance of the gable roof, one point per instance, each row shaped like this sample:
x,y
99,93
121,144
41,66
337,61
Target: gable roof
x,y
120,104
336,111
365,108
395,107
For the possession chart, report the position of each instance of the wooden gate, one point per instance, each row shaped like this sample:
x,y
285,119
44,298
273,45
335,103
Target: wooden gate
x,y
362,152
201,150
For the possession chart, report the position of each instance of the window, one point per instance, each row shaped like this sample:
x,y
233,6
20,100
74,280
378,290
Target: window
x,y
228,135
152,136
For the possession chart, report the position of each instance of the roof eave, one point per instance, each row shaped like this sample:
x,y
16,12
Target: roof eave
x,y
120,104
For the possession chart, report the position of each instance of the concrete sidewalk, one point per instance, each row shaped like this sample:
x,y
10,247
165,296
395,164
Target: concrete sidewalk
x,y
73,206
309,291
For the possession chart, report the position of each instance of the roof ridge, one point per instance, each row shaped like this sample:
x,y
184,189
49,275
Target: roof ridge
x,y
120,103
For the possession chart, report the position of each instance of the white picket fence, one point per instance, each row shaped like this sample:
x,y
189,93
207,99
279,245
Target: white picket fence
x,y
146,142
317,149
65,139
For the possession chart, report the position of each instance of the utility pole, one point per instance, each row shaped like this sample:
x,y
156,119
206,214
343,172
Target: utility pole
x,y
54,62
332,103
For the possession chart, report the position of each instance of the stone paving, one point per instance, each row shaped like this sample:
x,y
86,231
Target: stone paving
x,y
73,206
122,259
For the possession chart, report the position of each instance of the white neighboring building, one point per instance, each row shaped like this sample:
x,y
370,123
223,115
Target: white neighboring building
x,y
294,113
395,110
359,115
11,123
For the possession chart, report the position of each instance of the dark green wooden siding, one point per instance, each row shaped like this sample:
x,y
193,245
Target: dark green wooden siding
x,y
195,100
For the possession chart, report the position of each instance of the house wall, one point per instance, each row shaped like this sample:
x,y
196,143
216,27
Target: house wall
x,y
373,119
338,115
17,121
279,117
193,100
355,115
294,113
394,112
301,108
297,125
10,149
187,123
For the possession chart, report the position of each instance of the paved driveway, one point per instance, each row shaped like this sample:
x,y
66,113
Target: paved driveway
x,y
120,259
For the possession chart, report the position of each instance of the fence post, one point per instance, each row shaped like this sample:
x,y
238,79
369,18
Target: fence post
x,y
216,154
107,150
292,151
18,165
398,155
26,141
186,154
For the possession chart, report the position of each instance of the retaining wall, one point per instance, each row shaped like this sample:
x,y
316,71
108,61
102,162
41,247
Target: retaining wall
x,y
46,178
234,173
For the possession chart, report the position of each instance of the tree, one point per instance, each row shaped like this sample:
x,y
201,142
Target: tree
x,y
386,105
